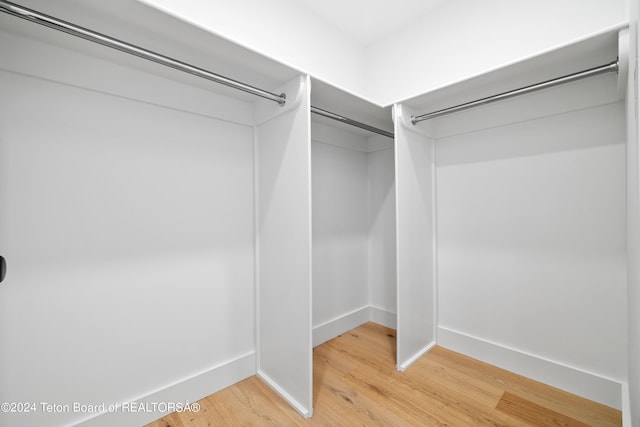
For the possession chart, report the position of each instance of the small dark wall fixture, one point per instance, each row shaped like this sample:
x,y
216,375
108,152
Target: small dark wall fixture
x,y
3,268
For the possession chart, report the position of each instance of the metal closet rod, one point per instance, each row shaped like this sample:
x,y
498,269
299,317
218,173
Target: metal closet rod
x,y
607,68
60,25
75,30
351,122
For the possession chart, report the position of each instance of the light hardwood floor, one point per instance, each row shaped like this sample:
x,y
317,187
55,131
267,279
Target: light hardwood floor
x,y
356,384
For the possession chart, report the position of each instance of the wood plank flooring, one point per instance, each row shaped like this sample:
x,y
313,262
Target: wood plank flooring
x,y
356,384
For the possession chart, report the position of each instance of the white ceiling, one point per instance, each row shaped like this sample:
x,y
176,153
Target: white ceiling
x,y
369,21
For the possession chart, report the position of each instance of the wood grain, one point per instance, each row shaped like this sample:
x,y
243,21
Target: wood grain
x,y
356,384
533,413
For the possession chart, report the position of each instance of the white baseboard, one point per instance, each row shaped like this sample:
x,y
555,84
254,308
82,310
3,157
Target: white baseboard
x,y
189,390
382,317
591,386
403,367
341,324
346,322
306,413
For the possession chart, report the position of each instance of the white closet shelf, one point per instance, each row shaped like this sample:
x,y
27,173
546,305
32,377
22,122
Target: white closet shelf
x,y
330,98
153,30
182,47
585,54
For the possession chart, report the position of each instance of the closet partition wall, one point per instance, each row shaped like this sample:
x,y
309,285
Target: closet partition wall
x,y
415,219
283,245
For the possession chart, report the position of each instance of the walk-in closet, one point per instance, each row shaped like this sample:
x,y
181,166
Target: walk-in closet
x,y
191,196
353,215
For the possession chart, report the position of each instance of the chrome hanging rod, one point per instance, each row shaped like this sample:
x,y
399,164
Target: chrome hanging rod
x,y
608,68
60,25
346,120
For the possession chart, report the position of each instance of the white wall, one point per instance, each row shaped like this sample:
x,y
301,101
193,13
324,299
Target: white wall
x,y
280,29
382,230
415,238
146,229
340,224
283,245
633,225
354,257
127,224
454,41
460,39
531,240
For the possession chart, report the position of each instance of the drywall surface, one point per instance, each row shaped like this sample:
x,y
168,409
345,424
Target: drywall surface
x,y
283,251
354,268
531,240
460,39
127,224
340,227
281,29
382,230
633,225
415,239
451,42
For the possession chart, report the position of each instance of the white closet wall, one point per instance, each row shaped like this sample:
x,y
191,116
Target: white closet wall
x,y
334,57
126,218
632,415
283,245
415,239
531,235
340,231
166,239
532,243
454,41
382,231
461,39
353,230
354,215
